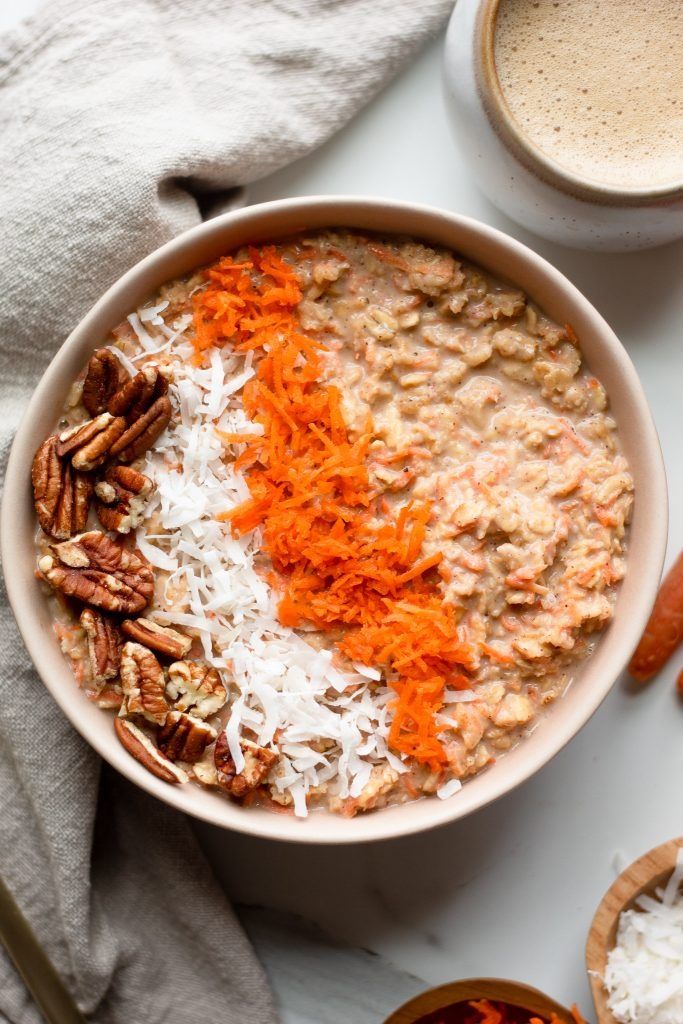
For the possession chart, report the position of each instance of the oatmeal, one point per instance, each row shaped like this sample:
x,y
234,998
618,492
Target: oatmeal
x,y
331,522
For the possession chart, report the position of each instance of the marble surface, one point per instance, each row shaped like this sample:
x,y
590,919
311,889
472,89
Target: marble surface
x,y
510,891
320,980
349,933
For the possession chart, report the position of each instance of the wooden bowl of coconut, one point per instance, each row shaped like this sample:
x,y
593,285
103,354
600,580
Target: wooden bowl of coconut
x,y
634,952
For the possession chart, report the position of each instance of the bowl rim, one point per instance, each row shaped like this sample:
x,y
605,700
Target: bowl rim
x,y
511,993
531,154
260,222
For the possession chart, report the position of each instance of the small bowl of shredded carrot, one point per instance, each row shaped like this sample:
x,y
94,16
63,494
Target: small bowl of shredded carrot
x,y
484,1001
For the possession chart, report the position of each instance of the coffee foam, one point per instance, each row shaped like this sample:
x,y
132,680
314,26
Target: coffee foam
x,y
597,85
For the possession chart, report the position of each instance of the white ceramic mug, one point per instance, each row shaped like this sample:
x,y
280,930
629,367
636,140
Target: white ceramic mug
x,y
515,175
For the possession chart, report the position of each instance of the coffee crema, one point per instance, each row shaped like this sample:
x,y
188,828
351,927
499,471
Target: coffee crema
x,y
597,85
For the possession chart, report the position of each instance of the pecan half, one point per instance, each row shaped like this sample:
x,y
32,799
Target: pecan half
x,y
138,394
104,377
258,762
89,444
104,645
143,432
204,771
144,687
98,571
184,738
110,697
161,639
195,687
139,745
121,498
61,494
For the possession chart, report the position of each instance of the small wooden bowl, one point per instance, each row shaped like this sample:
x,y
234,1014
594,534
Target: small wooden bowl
x,y
643,876
513,993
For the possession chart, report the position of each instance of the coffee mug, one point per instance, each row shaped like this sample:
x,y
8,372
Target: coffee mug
x,y
524,181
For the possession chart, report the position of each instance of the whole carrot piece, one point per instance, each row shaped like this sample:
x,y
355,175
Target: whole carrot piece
x,y
664,631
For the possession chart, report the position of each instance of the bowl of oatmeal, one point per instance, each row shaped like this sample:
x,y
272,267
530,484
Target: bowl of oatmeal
x,y
334,519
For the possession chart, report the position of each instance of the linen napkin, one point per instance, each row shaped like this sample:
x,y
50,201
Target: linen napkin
x,y
120,121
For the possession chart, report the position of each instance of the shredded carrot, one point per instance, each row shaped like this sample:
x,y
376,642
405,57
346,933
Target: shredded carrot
x,y
489,1014
229,438
387,256
388,458
499,1014
604,517
420,568
342,561
495,655
570,335
410,787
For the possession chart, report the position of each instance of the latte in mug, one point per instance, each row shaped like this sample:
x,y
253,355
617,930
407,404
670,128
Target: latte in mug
x,y
597,86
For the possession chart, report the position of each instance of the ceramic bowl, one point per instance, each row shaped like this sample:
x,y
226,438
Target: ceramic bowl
x,y
504,257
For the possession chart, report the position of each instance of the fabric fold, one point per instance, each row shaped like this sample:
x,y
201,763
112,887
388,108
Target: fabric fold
x,y
119,124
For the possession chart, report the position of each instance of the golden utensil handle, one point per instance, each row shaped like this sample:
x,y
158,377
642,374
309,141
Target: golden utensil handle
x,y
41,979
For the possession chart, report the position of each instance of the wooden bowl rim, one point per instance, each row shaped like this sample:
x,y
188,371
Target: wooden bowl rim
x,y
514,993
621,895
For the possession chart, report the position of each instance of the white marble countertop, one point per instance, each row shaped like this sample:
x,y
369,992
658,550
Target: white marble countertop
x,y
511,890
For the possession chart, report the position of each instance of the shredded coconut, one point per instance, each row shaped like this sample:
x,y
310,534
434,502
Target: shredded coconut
x,y
327,726
644,974
449,788
150,314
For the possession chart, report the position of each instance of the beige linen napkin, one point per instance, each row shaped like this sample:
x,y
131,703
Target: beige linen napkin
x,y
120,122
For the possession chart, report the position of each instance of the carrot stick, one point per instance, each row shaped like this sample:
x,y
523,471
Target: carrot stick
x,y
664,631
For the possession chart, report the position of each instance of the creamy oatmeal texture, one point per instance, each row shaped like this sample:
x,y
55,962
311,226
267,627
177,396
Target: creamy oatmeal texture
x,y
466,401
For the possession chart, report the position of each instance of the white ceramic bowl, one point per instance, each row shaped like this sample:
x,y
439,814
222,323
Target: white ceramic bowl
x,y
483,245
